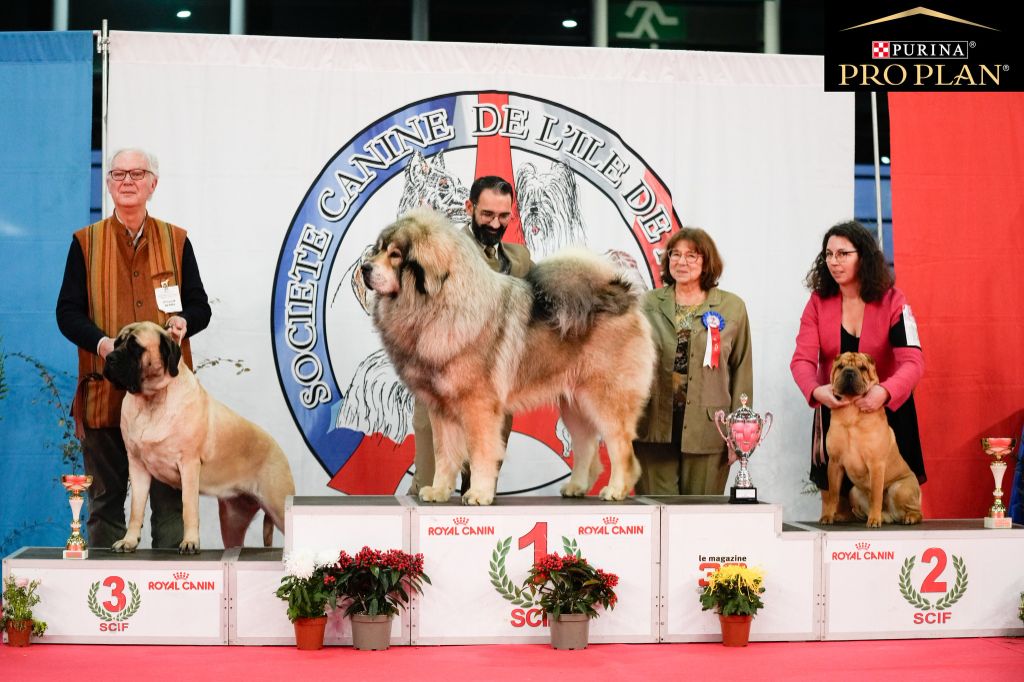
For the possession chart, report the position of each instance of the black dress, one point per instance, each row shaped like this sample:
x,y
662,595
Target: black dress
x,y
902,420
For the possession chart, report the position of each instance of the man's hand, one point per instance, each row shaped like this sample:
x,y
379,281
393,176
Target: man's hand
x,y
824,395
177,326
106,345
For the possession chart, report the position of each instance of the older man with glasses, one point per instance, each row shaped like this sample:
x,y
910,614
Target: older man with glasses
x,y
129,267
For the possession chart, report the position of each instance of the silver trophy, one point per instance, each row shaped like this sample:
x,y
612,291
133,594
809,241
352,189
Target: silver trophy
x,y
745,429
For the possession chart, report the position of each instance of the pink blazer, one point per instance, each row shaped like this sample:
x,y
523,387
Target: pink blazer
x,y
817,344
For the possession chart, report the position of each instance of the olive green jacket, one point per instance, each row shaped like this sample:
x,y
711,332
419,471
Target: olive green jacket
x,y
707,390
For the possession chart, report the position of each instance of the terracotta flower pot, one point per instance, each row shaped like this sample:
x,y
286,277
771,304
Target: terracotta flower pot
x,y
570,631
19,633
735,629
371,633
309,633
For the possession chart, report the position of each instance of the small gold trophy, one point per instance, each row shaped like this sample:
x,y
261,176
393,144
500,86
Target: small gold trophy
x,y
76,484
997,448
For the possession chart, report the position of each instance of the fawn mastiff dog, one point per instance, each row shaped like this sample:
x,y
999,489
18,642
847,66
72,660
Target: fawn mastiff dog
x,y
862,445
175,431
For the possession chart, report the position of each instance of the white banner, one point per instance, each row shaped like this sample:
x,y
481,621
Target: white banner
x,y
285,157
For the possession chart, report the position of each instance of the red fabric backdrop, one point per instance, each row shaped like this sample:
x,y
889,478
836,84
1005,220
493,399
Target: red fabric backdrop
x,y
958,233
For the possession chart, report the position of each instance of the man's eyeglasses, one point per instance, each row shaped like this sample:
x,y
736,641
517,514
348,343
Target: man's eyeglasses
x,y
838,256
690,256
134,174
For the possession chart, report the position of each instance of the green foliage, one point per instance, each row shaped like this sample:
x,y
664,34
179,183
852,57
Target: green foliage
x,y
567,583
19,598
379,583
733,590
70,447
308,584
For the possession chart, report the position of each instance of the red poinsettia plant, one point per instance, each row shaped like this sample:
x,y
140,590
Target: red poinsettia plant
x,y
567,583
376,582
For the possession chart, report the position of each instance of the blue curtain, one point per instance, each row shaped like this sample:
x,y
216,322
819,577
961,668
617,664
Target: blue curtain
x,y
1017,487
45,141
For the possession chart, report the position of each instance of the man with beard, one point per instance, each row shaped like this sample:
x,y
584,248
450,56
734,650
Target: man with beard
x,y
490,209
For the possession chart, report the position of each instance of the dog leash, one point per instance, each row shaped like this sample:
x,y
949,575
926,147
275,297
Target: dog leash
x,y
818,440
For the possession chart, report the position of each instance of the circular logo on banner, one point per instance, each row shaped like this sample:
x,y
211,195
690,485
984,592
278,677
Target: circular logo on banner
x,y
577,183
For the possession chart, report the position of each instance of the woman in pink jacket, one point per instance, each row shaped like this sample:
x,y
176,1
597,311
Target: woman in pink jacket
x,y
855,307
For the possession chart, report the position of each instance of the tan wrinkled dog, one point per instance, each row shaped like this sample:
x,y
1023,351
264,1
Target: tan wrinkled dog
x,y
176,432
863,445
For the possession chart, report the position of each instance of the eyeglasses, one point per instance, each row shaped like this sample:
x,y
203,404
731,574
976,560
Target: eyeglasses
x,y
134,174
690,257
838,256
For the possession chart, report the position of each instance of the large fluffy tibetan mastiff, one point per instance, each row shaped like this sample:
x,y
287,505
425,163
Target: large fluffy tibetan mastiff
x,y
474,345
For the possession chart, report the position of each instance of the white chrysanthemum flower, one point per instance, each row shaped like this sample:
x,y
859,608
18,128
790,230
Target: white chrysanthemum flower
x,y
301,563
327,557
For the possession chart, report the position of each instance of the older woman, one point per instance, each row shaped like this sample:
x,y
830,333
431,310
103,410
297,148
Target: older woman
x,y
855,307
704,364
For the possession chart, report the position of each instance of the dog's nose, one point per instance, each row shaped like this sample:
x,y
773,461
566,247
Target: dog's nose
x,y
367,268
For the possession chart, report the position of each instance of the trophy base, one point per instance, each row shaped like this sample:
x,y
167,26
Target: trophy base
x,y
998,522
742,495
76,554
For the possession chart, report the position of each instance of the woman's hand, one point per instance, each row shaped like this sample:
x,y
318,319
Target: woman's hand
x,y
874,399
824,395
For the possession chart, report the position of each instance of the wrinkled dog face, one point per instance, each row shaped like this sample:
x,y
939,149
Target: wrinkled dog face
x,y
396,264
145,358
853,374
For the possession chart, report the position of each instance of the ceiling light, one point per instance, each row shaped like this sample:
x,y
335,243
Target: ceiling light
x,y
570,23
184,14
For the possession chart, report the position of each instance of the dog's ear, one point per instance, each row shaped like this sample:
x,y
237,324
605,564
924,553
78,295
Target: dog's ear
x,y
170,353
424,262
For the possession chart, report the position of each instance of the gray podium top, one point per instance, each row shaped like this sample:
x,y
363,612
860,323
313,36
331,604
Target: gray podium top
x,y
149,555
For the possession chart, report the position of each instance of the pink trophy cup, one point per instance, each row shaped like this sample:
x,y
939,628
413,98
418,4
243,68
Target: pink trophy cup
x,y
76,484
746,429
997,448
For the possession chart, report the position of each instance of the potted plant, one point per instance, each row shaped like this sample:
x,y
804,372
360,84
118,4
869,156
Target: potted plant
x,y
735,593
19,598
376,585
308,587
569,589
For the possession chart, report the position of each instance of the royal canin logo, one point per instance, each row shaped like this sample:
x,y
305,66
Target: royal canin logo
x,y
460,526
862,552
610,526
180,583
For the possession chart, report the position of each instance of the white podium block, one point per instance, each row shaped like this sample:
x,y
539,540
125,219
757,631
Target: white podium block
x,y
258,617
347,522
478,558
148,597
702,533
943,578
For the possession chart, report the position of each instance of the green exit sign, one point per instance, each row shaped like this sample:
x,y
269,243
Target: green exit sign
x,y
645,21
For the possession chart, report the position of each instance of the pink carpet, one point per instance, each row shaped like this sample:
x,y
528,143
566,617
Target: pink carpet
x,y
935,660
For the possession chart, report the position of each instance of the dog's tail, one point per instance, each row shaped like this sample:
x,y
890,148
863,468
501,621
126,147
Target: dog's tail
x,y
268,530
572,287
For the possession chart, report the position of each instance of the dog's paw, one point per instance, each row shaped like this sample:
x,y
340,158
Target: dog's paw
x,y
477,497
571,489
431,494
874,521
125,544
910,518
611,494
827,519
188,547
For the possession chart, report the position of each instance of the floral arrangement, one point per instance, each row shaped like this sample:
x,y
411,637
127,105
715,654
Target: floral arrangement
x,y
567,583
19,598
378,583
309,582
734,590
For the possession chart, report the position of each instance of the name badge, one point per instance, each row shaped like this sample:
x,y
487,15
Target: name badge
x,y
168,299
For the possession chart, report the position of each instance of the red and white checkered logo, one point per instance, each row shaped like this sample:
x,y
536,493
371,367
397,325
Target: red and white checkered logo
x,y
879,49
